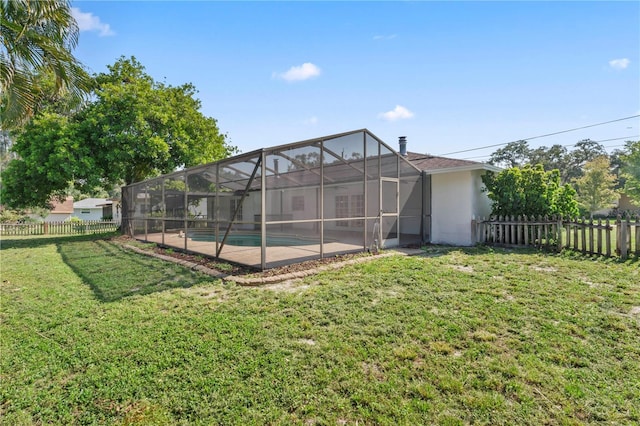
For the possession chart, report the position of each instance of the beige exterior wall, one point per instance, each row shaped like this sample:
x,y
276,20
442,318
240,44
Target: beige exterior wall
x,y
456,198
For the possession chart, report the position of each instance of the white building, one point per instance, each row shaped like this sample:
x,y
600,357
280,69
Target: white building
x,y
96,209
456,197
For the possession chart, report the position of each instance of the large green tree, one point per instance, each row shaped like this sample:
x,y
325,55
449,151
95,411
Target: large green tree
x,y
596,186
631,170
569,163
36,41
514,154
143,128
583,151
49,159
134,128
529,191
551,158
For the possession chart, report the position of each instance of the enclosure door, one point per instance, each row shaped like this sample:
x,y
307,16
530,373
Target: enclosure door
x,y
389,193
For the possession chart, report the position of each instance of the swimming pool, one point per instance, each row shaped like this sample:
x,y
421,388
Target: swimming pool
x,y
254,240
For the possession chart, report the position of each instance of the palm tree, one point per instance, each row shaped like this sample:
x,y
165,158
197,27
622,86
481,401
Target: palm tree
x,y
37,37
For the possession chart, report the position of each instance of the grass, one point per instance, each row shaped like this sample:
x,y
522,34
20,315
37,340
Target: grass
x,y
454,337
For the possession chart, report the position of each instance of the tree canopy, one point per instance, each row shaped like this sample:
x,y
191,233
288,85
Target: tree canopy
x,y
36,40
631,170
596,187
133,129
514,154
569,163
529,191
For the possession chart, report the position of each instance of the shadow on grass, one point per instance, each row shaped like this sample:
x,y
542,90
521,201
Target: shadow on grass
x,y
36,241
114,273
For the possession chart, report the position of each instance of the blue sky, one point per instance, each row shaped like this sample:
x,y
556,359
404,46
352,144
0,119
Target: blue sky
x,y
448,75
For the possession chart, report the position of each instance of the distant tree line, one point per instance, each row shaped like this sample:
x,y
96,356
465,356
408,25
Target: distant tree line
x,y
586,174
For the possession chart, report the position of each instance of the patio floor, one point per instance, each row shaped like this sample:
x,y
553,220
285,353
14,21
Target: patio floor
x,y
276,256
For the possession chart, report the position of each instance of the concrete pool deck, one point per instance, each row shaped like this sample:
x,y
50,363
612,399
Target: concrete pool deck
x,y
274,279
247,255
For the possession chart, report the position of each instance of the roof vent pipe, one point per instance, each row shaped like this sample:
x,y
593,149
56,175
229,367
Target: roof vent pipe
x,y
403,145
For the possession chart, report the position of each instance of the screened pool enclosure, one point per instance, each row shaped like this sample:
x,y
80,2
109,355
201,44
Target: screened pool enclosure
x,y
285,204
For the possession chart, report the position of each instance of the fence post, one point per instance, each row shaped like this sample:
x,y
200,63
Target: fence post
x,y
474,229
539,231
607,233
618,226
559,229
591,250
623,239
584,235
637,227
599,237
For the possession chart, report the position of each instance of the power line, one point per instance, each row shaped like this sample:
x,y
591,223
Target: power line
x,y
544,136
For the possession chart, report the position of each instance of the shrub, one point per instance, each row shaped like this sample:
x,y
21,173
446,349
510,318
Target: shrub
x,y
530,191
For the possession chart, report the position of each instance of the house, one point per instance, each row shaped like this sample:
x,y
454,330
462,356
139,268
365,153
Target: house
x,y
95,209
309,200
61,210
623,205
456,195
626,205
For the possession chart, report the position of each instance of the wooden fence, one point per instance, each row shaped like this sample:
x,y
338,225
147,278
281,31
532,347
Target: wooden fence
x,y
58,228
619,237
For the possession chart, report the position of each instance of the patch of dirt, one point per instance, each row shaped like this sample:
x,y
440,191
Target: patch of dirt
x,y
462,268
372,369
635,310
288,286
544,269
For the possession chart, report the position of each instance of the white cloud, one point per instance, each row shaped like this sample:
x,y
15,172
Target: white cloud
x,y
619,64
398,113
311,121
88,22
385,37
302,72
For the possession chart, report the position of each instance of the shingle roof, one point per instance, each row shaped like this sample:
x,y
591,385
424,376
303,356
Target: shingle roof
x,y
433,164
62,207
91,203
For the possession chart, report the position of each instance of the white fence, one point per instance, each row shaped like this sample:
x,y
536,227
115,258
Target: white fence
x,y
59,228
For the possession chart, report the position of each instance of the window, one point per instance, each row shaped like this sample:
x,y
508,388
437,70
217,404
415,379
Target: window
x,y
85,211
297,203
357,209
342,209
233,205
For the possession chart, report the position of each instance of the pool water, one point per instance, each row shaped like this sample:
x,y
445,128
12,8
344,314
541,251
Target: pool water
x,y
252,240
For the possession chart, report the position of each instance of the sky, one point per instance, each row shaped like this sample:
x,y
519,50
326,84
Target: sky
x,y
450,76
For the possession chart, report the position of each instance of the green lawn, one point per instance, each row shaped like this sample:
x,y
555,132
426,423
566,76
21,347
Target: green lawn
x,y
92,334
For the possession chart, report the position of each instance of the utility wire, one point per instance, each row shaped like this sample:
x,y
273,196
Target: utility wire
x,y
573,144
543,136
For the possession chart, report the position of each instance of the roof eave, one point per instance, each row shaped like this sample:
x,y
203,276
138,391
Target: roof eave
x,y
465,168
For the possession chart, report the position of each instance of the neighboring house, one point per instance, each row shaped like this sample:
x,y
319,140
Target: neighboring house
x,y
456,196
94,209
61,211
623,204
